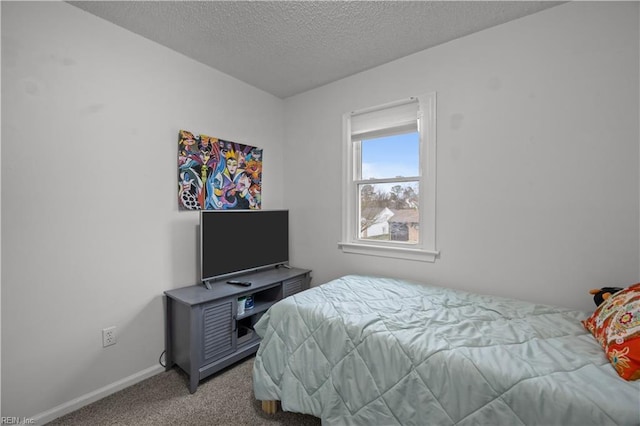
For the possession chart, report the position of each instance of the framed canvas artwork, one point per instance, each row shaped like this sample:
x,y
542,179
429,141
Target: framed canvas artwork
x,y
215,174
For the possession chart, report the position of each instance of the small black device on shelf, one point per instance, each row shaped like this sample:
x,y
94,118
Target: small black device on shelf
x,y
244,283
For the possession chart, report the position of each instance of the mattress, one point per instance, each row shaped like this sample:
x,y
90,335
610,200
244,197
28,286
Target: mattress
x,y
368,350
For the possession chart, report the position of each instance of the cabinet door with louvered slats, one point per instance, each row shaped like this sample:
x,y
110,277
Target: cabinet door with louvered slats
x,y
218,331
293,286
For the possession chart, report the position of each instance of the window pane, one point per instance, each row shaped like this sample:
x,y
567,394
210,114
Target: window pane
x,y
389,211
391,156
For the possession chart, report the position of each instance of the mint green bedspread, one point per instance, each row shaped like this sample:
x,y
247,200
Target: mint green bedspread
x,y
378,351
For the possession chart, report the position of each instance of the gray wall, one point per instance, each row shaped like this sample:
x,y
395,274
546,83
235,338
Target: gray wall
x,y
91,231
537,170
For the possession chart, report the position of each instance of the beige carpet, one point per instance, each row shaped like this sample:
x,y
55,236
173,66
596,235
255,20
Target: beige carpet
x,y
225,398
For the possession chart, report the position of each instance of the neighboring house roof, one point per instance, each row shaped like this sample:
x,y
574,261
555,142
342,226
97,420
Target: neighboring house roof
x,y
377,215
405,216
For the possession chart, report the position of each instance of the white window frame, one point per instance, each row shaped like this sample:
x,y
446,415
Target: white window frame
x,y
351,242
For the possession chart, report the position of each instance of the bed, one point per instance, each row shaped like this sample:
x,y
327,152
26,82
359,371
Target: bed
x,y
369,350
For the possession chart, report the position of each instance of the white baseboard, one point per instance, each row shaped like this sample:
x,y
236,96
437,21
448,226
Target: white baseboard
x,y
90,397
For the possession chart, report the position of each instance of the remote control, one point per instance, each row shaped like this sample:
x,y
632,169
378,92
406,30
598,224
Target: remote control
x,y
243,283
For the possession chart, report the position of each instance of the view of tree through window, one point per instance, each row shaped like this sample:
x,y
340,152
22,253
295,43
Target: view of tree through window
x,y
389,188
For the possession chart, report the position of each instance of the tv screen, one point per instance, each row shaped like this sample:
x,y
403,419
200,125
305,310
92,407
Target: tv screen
x,y
234,241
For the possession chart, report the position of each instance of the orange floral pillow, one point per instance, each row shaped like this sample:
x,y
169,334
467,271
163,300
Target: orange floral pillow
x,y
616,326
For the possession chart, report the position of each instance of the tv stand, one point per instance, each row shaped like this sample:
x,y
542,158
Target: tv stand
x,y
284,265
203,331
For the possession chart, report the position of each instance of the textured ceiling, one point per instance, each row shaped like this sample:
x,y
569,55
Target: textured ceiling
x,y
288,47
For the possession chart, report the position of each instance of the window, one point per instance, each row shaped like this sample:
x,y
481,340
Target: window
x,y
389,180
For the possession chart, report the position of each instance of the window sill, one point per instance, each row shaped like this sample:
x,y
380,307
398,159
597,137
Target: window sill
x,y
386,251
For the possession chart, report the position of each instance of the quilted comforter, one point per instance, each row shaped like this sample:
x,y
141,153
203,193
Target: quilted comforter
x,y
380,351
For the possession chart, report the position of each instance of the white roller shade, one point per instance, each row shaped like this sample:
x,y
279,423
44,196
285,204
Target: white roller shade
x,y
388,119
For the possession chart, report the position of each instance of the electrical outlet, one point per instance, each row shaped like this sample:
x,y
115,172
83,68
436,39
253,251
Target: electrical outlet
x,y
109,336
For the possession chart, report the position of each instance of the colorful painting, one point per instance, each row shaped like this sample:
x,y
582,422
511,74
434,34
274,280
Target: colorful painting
x,y
214,174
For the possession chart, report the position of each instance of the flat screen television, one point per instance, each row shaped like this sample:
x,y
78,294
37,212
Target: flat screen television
x,y
236,241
